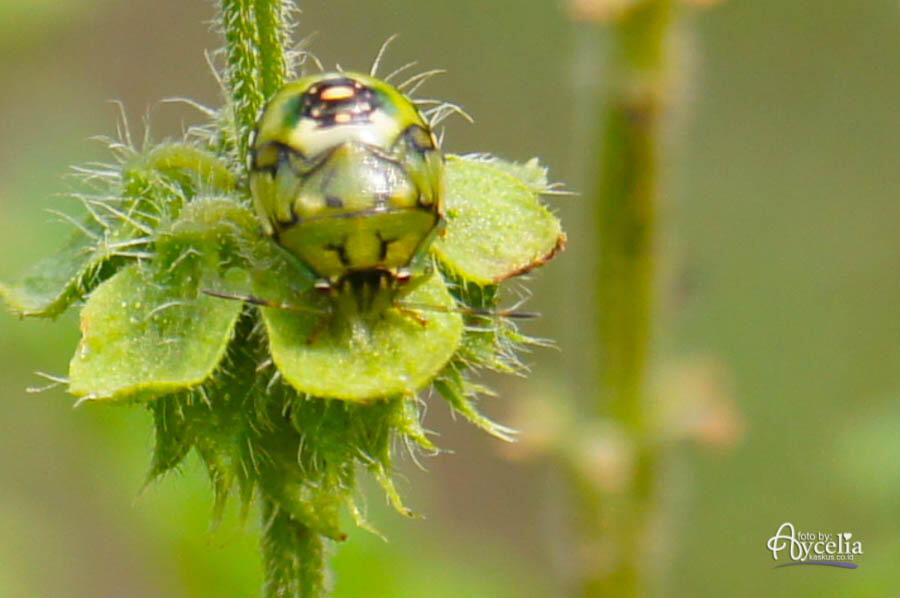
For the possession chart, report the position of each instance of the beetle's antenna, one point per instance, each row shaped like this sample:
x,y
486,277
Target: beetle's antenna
x,y
471,311
262,302
374,70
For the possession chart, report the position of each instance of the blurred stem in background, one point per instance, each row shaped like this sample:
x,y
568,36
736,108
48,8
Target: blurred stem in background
x,y
615,453
614,517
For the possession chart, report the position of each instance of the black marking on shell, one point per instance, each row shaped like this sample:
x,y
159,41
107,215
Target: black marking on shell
x,y
383,249
419,138
283,152
286,224
356,107
314,163
341,252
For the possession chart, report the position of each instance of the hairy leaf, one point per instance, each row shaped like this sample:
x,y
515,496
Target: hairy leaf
x,y
141,339
344,353
173,436
497,226
150,330
137,197
52,284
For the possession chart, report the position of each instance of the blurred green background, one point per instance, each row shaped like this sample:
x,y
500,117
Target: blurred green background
x,y
782,225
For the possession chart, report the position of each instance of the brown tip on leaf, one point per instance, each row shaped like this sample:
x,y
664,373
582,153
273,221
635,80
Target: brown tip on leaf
x,y
557,249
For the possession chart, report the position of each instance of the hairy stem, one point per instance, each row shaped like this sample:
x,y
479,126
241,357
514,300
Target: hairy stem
x,y
614,524
242,75
256,35
293,556
273,39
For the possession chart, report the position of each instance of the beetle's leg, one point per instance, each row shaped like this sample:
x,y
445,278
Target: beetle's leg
x,y
406,281
411,313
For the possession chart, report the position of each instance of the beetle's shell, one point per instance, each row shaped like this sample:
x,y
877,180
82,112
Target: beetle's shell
x,y
346,174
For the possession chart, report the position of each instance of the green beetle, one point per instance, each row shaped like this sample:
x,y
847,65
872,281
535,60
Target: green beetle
x,y
347,176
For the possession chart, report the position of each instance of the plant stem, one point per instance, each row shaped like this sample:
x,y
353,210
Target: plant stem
x,y
614,524
626,205
241,55
293,556
270,19
256,35
255,38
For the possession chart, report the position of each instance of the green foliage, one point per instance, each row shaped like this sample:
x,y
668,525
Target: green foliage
x,y
148,332
130,200
496,225
53,283
347,358
282,404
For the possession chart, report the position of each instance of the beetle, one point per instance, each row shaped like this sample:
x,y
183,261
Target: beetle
x,y
347,176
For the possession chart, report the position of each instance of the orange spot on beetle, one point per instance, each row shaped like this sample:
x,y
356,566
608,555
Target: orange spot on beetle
x,y
338,92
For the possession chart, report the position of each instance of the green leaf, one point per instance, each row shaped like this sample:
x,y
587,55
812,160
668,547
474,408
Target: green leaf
x,y
303,456
149,330
531,173
221,226
99,245
138,197
460,393
169,158
489,342
53,283
173,438
142,338
360,356
497,226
